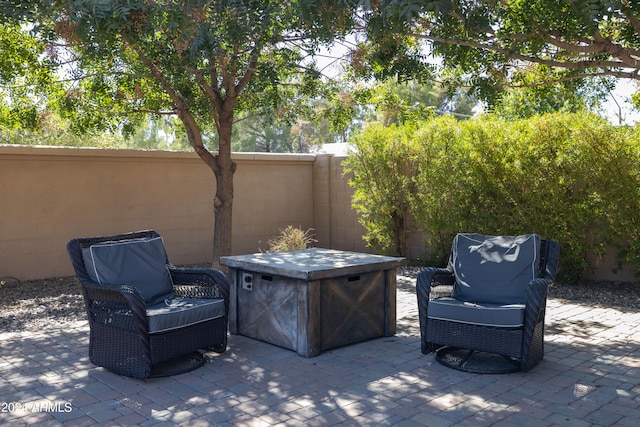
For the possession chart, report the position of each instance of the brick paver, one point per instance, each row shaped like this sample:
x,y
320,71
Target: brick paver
x,y
590,376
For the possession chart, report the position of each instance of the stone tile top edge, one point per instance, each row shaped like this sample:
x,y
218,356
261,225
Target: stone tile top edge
x,y
312,264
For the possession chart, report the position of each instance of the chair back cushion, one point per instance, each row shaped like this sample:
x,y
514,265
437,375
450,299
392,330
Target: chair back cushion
x,y
141,263
494,269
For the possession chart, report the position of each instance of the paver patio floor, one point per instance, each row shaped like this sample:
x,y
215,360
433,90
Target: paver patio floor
x,y
590,376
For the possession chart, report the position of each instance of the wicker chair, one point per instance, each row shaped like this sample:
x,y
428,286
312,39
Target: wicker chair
x,y
138,328
490,300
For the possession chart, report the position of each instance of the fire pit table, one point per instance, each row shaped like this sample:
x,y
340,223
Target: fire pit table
x,y
312,300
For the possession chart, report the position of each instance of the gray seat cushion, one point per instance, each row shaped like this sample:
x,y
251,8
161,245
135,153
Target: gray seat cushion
x,y
141,263
181,312
494,269
498,315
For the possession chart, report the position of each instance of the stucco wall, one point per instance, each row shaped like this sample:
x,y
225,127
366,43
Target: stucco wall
x,y
50,195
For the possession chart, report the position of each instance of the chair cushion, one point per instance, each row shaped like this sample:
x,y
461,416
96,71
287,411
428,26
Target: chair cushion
x,y
181,312
141,263
506,316
494,269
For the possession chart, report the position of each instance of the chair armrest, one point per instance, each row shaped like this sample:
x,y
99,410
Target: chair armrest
x,y
119,306
434,283
536,299
534,312
536,293
200,283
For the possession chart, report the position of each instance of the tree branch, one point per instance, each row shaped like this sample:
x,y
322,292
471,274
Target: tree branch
x,y
182,109
599,45
611,68
635,22
215,104
250,72
625,57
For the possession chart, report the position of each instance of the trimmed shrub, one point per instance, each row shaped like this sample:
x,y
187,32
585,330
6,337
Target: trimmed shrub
x,y
573,178
382,169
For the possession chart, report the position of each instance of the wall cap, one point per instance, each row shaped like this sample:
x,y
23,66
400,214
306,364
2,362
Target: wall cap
x,y
42,150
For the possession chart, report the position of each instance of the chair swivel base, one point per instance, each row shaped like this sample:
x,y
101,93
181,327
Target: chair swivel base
x,y
180,365
476,362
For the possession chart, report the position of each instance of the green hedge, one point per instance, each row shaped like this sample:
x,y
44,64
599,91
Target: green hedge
x,y
383,167
573,178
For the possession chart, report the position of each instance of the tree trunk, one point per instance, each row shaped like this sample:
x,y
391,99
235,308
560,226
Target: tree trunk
x,y
221,164
223,168
223,202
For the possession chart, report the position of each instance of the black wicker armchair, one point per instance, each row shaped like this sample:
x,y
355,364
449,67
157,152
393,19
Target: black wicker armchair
x,y
146,317
490,300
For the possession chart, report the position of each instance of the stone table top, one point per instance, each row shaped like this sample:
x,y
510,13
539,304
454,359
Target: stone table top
x,y
312,264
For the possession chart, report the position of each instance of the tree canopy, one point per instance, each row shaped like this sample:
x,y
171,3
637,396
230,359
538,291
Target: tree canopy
x,y
203,61
489,43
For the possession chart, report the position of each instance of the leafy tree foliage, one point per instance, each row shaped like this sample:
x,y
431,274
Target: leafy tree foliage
x,y
258,133
399,102
157,133
25,77
490,42
529,98
263,134
52,130
203,61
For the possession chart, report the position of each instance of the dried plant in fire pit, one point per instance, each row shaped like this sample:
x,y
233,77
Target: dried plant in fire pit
x,y
291,239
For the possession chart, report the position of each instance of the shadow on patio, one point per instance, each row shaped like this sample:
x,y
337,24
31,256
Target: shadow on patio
x,y
589,376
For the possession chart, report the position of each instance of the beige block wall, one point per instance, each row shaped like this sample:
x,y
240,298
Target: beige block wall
x,y
336,223
321,200
50,195
271,191
346,230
